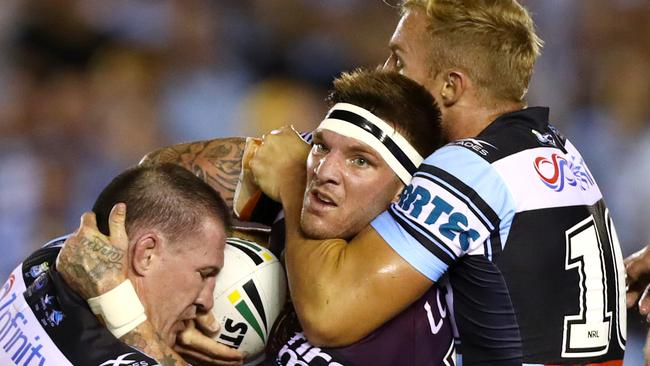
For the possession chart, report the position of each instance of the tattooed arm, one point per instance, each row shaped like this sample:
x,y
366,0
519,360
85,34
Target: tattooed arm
x,y
145,338
217,162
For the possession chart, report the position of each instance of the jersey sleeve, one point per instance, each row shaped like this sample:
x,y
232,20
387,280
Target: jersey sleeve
x,y
456,205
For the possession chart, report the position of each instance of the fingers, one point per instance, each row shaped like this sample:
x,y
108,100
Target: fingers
x,y
644,304
192,342
116,222
207,324
631,297
88,220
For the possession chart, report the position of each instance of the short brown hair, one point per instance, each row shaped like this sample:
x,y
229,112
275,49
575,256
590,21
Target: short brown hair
x,y
396,99
162,196
493,41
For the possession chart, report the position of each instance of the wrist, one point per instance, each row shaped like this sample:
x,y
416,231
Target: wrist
x,y
119,308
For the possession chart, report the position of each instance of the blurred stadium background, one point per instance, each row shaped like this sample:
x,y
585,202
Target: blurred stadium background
x,y
87,87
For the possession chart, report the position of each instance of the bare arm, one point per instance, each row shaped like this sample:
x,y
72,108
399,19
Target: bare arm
x,y
217,162
341,290
145,338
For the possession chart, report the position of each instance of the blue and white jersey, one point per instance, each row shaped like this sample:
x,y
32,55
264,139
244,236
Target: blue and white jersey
x,y
517,220
43,322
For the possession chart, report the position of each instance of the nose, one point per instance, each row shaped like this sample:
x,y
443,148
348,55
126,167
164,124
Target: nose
x,y
328,169
205,299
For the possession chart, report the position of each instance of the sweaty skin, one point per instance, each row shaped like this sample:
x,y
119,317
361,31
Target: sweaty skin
x,y
329,279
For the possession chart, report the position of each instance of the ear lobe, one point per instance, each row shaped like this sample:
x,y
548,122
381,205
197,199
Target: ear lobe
x,y
145,251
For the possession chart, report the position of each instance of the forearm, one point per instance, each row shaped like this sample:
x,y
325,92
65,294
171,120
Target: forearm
x,y
217,162
342,291
145,338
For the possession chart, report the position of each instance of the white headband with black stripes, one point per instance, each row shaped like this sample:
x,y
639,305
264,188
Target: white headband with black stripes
x,y
358,123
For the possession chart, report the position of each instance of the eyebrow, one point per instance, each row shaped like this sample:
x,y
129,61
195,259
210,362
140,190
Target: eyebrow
x,y
395,47
209,271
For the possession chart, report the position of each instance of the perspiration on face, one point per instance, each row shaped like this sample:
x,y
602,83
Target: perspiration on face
x,y
348,185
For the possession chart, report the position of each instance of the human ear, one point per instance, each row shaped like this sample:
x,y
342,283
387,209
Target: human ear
x,y
145,251
398,194
452,87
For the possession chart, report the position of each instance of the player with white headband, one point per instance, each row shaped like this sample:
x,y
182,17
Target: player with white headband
x,y
363,154
360,124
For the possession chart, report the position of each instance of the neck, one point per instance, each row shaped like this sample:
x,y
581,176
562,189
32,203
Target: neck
x,y
465,120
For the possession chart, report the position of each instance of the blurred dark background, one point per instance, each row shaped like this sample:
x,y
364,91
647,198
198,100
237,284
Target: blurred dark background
x,y
87,87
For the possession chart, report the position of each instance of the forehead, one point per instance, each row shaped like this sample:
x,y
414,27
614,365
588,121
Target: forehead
x,y
342,142
205,246
412,28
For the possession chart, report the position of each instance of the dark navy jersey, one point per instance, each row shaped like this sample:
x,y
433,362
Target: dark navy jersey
x,y
43,322
515,218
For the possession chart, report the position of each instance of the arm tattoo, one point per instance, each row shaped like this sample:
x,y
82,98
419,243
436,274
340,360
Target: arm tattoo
x,y
135,340
96,263
217,162
145,339
111,256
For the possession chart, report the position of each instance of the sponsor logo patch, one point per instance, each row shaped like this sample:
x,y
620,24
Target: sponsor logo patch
x,y
558,173
475,145
440,212
123,360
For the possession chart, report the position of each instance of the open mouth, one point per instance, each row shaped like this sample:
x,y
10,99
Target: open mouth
x,y
320,200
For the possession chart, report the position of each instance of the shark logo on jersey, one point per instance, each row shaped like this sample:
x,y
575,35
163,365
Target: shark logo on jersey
x,y
545,139
475,145
558,171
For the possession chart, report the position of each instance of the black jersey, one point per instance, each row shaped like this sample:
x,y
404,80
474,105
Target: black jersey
x,y
517,220
43,322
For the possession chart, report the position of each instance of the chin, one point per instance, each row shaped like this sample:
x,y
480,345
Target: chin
x,y
316,230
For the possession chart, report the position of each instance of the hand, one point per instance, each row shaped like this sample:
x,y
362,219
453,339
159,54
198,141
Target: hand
x,y
92,263
197,346
637,267
279,162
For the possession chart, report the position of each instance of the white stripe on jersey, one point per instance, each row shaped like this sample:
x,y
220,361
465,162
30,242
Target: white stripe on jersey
x,y
546,178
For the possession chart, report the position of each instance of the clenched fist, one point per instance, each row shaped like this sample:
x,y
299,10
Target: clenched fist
x,y
279,163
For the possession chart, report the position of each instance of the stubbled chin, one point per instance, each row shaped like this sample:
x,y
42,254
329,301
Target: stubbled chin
x,y
315,228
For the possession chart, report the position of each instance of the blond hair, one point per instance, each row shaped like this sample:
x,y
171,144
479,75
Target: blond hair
x,y
493,41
